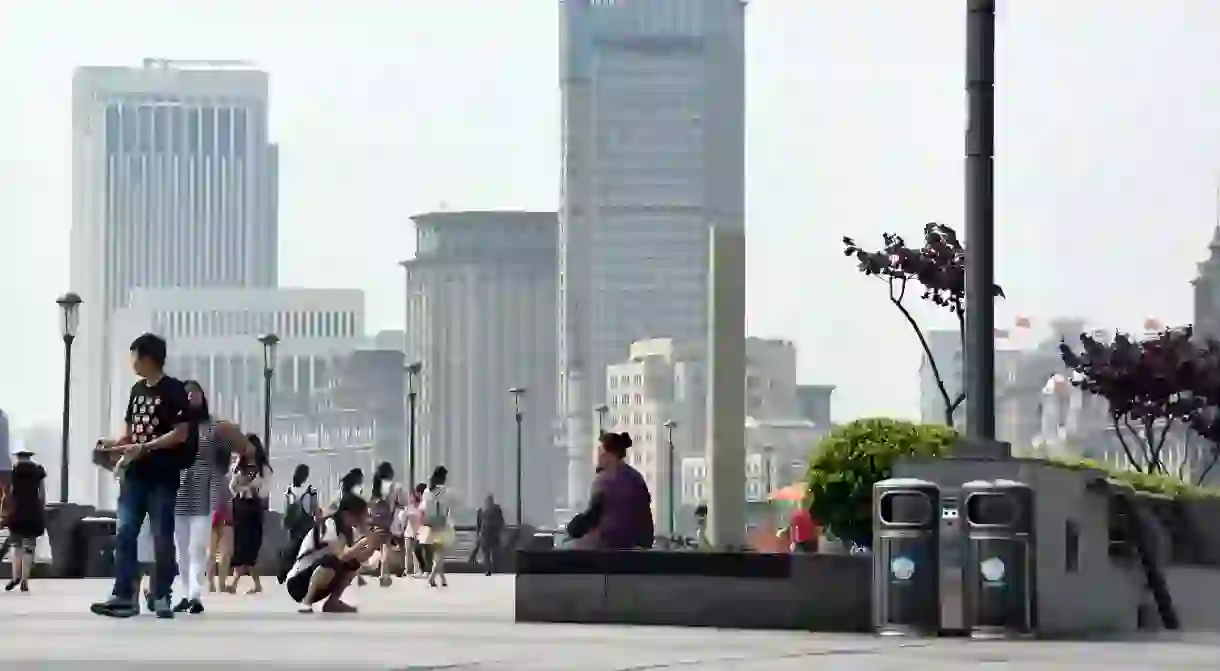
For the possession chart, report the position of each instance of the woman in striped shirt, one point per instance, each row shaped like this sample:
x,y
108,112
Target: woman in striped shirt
x,y
197,497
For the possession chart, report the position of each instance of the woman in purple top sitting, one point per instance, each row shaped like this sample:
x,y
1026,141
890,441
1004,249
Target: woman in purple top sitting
x,y
619,516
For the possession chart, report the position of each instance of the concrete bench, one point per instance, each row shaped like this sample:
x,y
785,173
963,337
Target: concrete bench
x,y
714,589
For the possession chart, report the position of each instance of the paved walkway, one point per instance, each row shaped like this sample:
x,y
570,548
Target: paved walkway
x,y
470,627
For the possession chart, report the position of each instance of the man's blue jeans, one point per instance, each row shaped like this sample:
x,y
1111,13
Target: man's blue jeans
x,y
139,498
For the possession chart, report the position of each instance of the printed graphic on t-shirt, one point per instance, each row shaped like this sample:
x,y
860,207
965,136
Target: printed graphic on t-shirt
x,y
144,420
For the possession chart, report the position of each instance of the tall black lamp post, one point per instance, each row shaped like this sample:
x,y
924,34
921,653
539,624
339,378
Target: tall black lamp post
x,y
980,219
270,341
601,410
670,425
413,371
69,307
768,461
518,393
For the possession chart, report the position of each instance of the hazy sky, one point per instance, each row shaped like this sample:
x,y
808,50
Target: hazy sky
x,y
1107,123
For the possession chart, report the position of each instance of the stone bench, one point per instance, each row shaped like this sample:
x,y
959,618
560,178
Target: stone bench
x,y
715,589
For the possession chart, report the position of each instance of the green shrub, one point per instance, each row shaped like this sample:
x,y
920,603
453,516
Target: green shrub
x,y
1153,483
851,459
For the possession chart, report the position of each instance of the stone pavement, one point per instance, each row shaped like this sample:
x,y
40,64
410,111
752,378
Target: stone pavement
x,y
470,627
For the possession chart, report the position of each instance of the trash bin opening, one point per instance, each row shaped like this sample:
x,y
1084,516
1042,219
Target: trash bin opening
x,y
905,509
991,510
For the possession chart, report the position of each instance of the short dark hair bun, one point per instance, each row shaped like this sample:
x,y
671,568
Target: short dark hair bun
x,y
626,437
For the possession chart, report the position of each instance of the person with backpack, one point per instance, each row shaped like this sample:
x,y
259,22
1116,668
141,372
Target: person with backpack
x,y
153,449
301,515
197,496
330,557
387,511
301,507
437,530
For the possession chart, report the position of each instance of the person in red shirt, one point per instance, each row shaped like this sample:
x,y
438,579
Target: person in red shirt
x,y
802,531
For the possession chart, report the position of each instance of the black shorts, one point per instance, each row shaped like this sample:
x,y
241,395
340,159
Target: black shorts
x,y
298,585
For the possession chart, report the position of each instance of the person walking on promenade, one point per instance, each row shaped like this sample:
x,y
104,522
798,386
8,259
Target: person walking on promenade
x,y
387,511
489,526
220,545
301,513
249,487
352,482
153,449
415,523
6,465
197,496
27,499
437,525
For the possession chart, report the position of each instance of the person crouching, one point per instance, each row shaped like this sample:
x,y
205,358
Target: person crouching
x,y
331,556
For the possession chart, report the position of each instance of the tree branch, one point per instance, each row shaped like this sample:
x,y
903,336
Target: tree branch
x,y
1118,431
1215,457
896,299
1160,444
1150,446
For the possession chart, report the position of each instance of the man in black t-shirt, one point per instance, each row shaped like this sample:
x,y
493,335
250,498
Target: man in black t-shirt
x,y
156,426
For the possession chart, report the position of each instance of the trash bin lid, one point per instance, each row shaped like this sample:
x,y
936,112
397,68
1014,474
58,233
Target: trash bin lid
x,y
905,482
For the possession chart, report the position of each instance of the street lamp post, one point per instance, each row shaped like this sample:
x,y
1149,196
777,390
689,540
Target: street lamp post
x,y
669,439
69,306
269,341
768,460
601,410
413,371
517,394
980,219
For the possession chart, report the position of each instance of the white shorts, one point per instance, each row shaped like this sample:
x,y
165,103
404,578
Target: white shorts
x,y
144,545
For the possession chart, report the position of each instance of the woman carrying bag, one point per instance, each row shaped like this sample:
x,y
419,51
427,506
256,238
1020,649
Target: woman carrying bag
x,y
437,530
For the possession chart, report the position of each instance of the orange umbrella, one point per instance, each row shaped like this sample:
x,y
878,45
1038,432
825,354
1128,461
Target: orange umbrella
x,y
794,493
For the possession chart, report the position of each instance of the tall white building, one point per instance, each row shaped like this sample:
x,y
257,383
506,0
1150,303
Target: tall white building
x,y
653,155
174,185
213,338
481,320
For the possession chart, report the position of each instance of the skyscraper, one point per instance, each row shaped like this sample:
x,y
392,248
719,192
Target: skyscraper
x,y
174,185
653,156
480,317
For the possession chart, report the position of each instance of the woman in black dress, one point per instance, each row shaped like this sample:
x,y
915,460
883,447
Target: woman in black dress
x,y
250,488
26,523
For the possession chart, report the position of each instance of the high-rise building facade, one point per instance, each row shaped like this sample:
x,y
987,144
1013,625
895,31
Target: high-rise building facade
x,y
174,185
480,319
653,156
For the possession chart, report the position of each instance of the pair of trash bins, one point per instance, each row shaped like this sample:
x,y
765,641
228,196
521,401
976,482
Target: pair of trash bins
x,y
953,564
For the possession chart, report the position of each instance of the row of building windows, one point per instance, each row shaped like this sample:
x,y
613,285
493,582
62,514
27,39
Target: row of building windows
x,y
625,380
229,323
173,127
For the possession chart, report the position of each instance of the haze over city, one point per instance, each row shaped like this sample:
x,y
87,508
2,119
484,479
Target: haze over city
x,y
1106,162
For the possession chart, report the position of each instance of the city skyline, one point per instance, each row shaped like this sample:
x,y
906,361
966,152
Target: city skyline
x,y
1065,171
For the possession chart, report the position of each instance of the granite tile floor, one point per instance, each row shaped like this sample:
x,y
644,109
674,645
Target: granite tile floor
x,y
470,627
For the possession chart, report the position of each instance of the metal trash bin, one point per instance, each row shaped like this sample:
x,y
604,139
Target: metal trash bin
x,y
906,557
94,547
998,571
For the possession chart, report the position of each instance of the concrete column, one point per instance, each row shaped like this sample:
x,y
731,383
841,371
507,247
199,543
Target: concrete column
x,y
580,443
726,374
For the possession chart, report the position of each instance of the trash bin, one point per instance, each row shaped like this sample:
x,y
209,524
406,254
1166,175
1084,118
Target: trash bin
x,y
906,552
94,546
998,571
